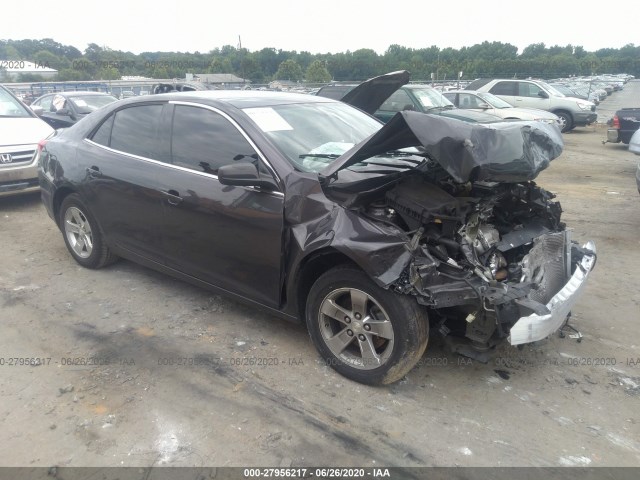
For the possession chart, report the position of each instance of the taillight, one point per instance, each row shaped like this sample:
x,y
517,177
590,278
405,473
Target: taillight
x,y
616,122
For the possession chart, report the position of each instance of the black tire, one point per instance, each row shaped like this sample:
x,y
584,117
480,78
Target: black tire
x,y
82,234
566,121
378,335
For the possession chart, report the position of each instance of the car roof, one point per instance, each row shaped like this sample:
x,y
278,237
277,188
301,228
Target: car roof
x,y
462,91
77,93
237,98
417,85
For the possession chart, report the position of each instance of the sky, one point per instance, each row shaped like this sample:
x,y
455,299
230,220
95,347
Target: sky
x,y
320,26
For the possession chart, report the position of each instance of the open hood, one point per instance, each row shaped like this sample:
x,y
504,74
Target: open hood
x,y
370,94
499,152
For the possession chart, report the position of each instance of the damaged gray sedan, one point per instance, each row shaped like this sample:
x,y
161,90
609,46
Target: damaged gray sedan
x,y
313,210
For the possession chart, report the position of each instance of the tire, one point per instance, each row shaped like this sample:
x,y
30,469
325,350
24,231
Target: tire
x,y
368,334
566,121
82,234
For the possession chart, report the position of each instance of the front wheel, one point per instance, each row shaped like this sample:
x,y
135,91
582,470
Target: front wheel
x,y
566,121
82,234
364,332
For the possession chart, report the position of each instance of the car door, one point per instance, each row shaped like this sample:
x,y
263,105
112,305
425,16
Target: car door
x,y
230,237
122,159
531,95
506,90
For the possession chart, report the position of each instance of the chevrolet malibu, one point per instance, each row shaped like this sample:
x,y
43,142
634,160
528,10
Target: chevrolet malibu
x,y
313,210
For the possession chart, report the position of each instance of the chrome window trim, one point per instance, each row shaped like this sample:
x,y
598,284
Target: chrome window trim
x,y
235,124
190,170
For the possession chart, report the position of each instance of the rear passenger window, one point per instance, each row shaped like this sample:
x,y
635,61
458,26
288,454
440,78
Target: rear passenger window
x,y
205,141
504,88
136,131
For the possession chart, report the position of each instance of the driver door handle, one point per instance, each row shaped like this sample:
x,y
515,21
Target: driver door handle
x,y
173,197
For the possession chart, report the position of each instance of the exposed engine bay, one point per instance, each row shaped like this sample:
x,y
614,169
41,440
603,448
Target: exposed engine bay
x,y
485,249
485,253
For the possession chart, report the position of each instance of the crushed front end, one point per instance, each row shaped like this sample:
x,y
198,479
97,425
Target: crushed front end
x,y
492,260
490,256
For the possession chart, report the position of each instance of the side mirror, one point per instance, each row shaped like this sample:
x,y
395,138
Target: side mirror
x,y
408,107
38,110
543,94
245,175
484,106
63,111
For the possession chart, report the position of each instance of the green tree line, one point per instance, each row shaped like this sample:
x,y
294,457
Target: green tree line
x,y
487,59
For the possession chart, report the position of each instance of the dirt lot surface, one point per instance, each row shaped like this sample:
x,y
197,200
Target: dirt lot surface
x,y
178,376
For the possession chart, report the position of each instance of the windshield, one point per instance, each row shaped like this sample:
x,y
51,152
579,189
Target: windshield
x,y
312,135
10,107
430,98
563,89
553,91
495,102
91,103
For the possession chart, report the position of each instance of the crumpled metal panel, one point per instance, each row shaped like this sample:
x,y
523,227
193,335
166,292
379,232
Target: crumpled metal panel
x,y
514,151
316,223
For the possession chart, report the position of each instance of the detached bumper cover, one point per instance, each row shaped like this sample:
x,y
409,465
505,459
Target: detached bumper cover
x,y
538,326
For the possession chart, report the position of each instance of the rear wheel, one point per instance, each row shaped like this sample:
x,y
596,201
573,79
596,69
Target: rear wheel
x,y
82,234
364,332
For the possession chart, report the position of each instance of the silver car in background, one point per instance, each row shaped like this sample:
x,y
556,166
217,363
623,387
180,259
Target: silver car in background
x,y
489,103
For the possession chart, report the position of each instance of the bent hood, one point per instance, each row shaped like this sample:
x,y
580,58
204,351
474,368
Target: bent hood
x,y
370,94
498,152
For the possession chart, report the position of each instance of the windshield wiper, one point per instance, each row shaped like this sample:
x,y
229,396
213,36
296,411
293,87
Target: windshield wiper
x,y
319,155
401,153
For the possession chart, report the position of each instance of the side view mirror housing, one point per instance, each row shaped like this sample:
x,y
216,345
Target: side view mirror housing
x,y
543,94
38,110
484,106
245,175
64,112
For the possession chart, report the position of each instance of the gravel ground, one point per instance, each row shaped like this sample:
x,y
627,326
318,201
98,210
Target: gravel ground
x,y
177,376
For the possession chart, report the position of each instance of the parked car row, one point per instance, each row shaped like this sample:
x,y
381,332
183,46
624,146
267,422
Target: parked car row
x,y
398,96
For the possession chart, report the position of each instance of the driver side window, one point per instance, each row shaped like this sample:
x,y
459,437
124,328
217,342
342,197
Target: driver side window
x,y
45,103
203,140
397,102
469,101
529,90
